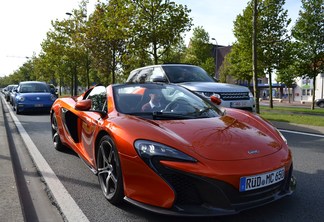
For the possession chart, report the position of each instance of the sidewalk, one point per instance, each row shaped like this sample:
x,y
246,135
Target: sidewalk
x,y
286,102
10,208
299,127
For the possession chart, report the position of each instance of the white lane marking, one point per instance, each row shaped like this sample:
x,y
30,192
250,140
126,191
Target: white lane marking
x,y
302,133
68,206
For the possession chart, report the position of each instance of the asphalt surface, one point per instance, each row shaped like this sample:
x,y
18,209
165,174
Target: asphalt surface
x,y
10,205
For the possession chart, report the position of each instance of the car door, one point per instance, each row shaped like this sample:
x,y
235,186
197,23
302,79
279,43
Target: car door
x,y
91,121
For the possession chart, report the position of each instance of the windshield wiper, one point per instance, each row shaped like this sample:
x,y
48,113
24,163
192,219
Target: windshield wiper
x,y
170,115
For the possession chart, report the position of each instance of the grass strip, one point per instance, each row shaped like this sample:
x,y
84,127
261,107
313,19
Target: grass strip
x,y
296,115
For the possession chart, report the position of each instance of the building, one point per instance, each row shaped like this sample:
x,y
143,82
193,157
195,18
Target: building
x,y
304,89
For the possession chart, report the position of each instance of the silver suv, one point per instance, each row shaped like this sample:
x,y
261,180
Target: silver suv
x,y
196,79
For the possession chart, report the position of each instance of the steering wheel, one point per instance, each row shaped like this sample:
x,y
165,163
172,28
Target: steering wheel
x,y
176,104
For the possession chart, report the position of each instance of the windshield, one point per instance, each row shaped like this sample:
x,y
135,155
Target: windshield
x,y
162,101
178,74
33,88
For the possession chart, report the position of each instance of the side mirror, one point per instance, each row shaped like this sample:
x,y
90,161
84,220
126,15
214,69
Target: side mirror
x,y
159,79
215,100
83,105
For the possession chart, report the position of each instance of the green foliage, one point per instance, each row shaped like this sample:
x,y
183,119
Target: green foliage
x,y
175,54
288,65
107,36
225,71
240,57
200,52
209,66
309,34
121,35
158,25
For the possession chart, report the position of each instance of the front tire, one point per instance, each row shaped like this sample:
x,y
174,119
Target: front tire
x,y
109,171
17,110
58,145
321,104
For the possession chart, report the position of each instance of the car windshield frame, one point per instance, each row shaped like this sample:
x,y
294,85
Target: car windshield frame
x,y
176,102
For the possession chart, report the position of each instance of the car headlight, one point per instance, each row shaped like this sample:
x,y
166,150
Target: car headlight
x,y
148,150
282,137
21,98
209,94
250,95
53,98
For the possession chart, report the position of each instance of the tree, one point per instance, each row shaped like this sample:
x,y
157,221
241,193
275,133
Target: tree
x,y
109,33
241,53
274,36
240,57
158,25
225,70
309,34
288,66
199,51
57,52
175,54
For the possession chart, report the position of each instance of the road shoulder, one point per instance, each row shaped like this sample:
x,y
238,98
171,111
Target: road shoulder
x,y
10,208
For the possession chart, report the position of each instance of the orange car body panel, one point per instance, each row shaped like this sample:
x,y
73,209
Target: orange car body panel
x,y
235,130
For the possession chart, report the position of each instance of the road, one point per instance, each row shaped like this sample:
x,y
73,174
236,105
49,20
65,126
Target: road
x,y
305,205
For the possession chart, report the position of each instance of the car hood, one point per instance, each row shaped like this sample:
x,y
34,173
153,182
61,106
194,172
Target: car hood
x,y
222,138
213,87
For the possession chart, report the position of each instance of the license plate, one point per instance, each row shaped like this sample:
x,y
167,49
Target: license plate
x,y
261,180
238,104
39,105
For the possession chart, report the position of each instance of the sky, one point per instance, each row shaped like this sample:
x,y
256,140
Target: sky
x,y
24,24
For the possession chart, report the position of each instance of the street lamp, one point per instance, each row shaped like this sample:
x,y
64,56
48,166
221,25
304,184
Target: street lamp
x,y
216,59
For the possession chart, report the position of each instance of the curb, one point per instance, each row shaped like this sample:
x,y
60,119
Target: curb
x,y
10,208
298,127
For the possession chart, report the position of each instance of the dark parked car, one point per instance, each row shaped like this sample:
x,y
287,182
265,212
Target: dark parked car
x,y
33,96
7,92
12,94
319,103
53,90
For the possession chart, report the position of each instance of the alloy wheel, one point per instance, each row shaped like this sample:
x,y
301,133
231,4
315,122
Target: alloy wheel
x,y
109,171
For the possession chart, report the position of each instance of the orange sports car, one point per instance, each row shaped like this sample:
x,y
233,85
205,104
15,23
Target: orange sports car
x,y
169,150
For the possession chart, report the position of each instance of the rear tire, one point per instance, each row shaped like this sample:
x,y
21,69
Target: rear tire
x,y
58,145
109,171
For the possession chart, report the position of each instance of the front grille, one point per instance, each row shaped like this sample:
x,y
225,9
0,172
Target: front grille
x,y
234,96
197,191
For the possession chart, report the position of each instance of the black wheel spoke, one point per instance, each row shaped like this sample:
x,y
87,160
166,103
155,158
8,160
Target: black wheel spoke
x,y
109,173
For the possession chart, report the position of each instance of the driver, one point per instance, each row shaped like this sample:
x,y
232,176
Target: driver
x,y
155,102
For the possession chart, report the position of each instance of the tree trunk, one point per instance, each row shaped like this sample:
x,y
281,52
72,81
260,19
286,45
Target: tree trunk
x,y
254,57
270,89
313,97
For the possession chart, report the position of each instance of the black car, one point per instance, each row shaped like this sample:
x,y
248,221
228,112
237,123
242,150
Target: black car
x,y
319,103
